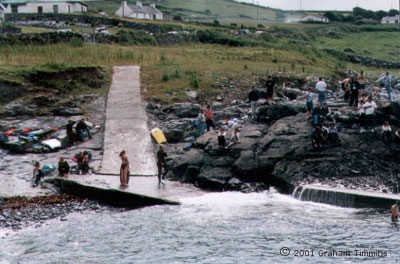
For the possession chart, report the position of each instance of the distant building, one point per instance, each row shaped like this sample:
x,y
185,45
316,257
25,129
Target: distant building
x,y
314,18
43,6
139,11
390,20
306,18
2,10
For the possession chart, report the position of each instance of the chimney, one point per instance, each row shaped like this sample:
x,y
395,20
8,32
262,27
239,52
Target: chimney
x,y
139,3
153,6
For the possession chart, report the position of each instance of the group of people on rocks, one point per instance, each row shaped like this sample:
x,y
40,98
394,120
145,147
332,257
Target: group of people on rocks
x,y
355,94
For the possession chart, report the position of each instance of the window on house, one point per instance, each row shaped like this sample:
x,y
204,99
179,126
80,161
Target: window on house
x,y
40,9
14,9
55,9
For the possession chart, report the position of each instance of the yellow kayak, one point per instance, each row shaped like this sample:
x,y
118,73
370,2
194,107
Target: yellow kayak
x,y
158,135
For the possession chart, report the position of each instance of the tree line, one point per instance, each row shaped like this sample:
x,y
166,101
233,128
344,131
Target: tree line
x,y
359,15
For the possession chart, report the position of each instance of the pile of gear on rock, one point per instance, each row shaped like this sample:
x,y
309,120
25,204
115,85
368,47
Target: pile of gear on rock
x,y
43,140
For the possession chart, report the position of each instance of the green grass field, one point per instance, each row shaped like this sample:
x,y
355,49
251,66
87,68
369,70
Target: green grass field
x,y
198,9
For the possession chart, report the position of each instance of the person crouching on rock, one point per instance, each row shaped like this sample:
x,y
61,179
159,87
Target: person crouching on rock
x,y
161,164
63,167
221,138
395,212
124,171
235,139
37,173
316,137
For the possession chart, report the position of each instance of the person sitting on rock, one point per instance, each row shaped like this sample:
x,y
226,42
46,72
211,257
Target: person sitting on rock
x,y
316,137
316,114
209,118
397,136
235,139
221,138
81,127
333,134
326,112
386,131
63,167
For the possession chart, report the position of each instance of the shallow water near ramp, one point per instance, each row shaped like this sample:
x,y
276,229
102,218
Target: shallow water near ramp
x,y
226,227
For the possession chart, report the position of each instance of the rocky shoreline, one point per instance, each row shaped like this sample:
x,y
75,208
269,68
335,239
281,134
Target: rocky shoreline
x,y
21,212
276,151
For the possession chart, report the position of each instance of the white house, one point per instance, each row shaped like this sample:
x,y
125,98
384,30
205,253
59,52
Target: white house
x,y
139,11
314,18
2,9
43,6
390,20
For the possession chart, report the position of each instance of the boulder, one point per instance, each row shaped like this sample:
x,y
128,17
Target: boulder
x,y
278,111
292,93
192,94
214,178
186,109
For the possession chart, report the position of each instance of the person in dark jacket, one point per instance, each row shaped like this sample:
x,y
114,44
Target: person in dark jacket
x,y
354,86
63,167
81,128
161,164
253,98
70,132
269,84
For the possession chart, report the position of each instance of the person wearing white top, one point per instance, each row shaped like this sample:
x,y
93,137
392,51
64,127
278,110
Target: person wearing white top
x,y
321,88
370,107
361,116
386,131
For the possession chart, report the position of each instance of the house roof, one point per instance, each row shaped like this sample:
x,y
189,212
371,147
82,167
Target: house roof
x,y
39,1
144,9
390,18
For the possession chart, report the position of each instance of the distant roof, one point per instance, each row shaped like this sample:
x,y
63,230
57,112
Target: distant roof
x,y
390,18
38,1
143,9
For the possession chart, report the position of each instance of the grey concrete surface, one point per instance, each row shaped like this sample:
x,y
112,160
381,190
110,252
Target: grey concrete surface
x,y
126,125
147,186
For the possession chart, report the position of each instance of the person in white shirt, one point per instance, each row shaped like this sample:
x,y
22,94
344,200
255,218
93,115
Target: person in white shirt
x,y
370,107
386,132
361,116
321,88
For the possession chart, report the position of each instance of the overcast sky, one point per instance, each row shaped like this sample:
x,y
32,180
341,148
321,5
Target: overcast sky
x,y
328,4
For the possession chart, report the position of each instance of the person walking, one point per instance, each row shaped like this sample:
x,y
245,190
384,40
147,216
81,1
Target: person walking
x,y
269,84
362,80
354,85
63,167
37,173
395,212
202,122
161,164
253,98
321,88
209,118
309,102
388,85
124,171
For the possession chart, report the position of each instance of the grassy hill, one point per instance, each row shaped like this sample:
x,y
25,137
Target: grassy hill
x,y
226,11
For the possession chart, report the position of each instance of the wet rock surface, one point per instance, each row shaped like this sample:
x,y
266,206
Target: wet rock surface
x,y
20,212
